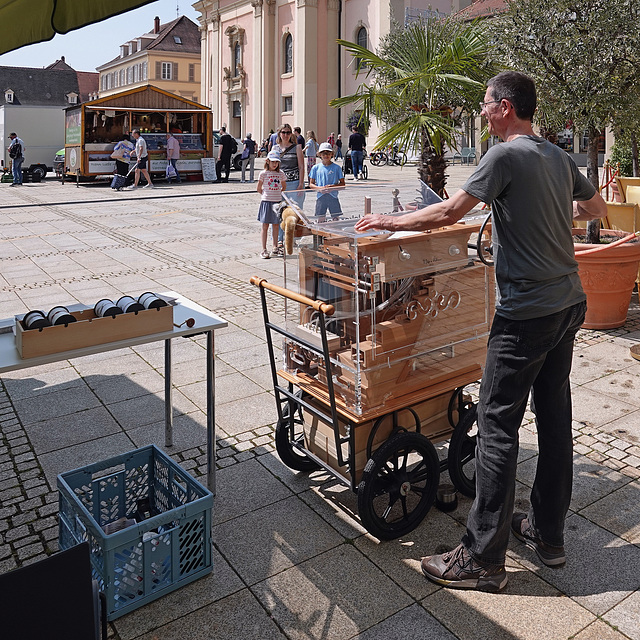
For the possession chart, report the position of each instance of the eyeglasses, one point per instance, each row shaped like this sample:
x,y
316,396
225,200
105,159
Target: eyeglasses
x,y
286,131
483,105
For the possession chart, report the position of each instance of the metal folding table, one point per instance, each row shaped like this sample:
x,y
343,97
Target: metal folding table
x,y
205,322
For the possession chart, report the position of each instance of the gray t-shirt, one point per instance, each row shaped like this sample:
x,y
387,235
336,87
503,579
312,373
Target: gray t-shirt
x,y
531,184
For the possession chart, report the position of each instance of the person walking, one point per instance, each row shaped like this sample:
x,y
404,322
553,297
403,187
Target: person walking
x,y
225,151
122,155
142,158
332,141
16,153
297,134
310,151
339,147
357,145
273,139
271,183
535,190
248,157
173,155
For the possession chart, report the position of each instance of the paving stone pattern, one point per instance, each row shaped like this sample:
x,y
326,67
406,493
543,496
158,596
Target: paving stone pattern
x,y
291,557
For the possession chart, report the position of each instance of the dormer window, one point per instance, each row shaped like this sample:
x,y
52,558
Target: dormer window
x,y
124,50
133,47
8,95
72,98
177,39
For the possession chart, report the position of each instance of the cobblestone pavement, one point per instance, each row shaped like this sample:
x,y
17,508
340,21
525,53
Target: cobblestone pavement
x,y
290,552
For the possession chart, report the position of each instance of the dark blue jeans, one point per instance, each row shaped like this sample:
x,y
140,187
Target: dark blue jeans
x,y
174,162
16,168
356,162
527,355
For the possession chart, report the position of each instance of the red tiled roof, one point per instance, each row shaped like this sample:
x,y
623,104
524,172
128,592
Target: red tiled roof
x,y
88,83
188,32
482,9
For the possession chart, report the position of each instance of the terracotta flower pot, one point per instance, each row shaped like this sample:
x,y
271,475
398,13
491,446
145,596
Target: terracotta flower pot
x,y
607,278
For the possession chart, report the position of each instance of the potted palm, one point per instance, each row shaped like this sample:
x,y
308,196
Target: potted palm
x,y
418,74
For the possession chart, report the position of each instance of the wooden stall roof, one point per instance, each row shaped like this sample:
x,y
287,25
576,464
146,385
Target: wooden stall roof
x,y
146,97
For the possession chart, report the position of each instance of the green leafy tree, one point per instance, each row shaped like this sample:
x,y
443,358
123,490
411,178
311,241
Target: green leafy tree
x,y
583,57
621,154
626,123
419,74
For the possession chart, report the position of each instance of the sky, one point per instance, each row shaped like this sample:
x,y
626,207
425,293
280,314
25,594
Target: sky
x,y
88,47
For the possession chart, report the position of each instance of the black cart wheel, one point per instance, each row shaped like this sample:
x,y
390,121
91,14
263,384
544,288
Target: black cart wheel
x,y
398,486
461,460
483,244
286,435
365,171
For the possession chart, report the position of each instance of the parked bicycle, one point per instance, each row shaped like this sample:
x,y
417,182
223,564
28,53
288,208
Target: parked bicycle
x,y
390,157
378,157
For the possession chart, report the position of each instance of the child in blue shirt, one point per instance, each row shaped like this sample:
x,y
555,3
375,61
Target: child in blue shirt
x,y
327,178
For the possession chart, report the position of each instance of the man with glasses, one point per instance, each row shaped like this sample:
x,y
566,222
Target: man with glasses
x,y
535,190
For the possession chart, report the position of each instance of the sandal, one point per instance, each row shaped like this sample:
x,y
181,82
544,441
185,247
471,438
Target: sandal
x,y
264,254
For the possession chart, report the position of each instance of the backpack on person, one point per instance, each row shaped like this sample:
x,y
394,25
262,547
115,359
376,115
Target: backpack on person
x,y
234,146
15,151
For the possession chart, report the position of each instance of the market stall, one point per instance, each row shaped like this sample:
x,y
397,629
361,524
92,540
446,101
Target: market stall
x,y
93,128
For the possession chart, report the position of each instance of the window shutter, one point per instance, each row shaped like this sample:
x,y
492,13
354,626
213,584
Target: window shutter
x,y
158,70
174,75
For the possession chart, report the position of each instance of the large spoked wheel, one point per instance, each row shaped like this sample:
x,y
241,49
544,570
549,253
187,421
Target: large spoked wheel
x,y
286,435
377,158
461,459
400,158
398,485
484,247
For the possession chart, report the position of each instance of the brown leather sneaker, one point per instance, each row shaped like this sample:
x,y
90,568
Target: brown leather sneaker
x,y
458,570
522,529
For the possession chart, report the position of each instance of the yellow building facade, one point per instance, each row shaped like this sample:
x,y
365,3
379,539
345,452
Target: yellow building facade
x,y
167,57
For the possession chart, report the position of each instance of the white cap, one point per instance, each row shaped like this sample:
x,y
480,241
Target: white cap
x,y
325,146
273,155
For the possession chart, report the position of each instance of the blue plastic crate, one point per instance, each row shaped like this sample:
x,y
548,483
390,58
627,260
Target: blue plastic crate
x,y
153,557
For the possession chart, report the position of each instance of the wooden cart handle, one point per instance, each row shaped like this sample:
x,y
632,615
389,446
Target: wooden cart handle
x,y
327,309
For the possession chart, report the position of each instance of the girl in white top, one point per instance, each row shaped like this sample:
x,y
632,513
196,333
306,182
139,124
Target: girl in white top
x,y
271,183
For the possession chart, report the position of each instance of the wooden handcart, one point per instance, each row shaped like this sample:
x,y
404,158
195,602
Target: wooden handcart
x,y
375,363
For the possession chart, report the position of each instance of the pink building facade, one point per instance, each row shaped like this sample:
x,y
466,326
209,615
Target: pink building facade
x,y
265,62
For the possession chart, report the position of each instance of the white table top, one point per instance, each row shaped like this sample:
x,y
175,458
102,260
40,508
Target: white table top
x,y
184,308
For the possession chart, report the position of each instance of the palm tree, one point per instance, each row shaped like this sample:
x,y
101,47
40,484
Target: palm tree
x,y
419,74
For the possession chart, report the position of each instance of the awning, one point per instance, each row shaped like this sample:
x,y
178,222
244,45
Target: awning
x,y
29,21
